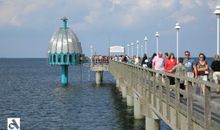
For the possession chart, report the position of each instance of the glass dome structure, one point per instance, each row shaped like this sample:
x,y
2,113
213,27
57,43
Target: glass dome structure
x,y
64,50
64,47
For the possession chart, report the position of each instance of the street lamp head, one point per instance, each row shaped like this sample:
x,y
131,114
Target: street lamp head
x,y
132,44
128,45
217,10
157,34
145,38
137,42
177,27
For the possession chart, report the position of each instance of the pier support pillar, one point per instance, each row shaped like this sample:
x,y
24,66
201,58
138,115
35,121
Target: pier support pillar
x,y
130,101
99,77
137,108
123,89
152,124
117,83
64,75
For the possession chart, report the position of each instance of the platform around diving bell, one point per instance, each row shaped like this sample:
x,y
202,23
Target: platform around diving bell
x,y
99,67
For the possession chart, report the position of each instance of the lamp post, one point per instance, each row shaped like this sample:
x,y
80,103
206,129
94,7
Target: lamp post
x,y
128,48
137,48
91,47
132,49
177,27
145,43
142,50
157,39
217,13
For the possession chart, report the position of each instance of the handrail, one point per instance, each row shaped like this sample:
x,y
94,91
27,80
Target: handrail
x,y
199,81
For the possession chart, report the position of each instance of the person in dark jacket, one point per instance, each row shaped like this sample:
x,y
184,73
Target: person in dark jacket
x,y
149,63
216,68
144,61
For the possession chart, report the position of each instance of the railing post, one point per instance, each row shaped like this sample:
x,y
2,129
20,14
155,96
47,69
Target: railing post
x,y
149,87
142,81
167,97
135,78
189,104
160,93
177,95
131,81
139,80
207,108
154,89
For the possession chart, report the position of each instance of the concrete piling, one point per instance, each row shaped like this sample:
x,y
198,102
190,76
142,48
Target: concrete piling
x,y
99,77
137,108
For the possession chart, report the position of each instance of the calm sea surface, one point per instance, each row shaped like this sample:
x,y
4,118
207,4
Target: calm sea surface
x,y
30,90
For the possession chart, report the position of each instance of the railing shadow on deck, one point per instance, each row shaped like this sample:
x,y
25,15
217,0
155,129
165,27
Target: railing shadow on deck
x,y
197,108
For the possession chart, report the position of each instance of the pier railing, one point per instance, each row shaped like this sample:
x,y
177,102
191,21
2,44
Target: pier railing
x,y
100,63
100,60
197,110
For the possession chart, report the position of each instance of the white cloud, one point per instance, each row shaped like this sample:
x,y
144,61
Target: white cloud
x,y
213,4
92,17
116,2
14,12
128,20
183,17
168,4
199,2
186,19
186,12
187,4
121,12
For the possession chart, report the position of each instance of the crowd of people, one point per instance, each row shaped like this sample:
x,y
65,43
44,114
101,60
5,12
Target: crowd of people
x,y
187,66
99,59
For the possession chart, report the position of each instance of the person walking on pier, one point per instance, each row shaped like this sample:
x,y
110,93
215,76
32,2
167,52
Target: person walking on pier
x,y
180,70
202,70
158,61
144,61
216,68
124,59
158,64
190,65
169,64
150,62
166,56
137,61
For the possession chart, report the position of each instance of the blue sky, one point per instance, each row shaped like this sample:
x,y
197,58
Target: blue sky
x,y
26,26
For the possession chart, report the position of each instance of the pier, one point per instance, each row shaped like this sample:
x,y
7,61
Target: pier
x,y
149,92
99,64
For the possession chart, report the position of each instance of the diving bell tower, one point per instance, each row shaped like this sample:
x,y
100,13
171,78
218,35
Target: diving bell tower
x,y
64,50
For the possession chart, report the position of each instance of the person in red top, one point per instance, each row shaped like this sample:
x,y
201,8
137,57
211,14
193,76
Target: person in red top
x,y
169,64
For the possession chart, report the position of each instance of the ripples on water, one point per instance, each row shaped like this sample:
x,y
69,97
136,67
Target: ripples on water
x,y
30,89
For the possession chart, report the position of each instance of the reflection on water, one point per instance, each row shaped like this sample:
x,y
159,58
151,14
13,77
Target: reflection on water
x,y
125,114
